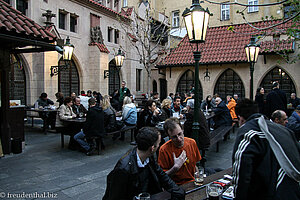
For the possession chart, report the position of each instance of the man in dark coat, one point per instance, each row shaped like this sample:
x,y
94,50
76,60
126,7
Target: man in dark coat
x,y
222,115
137,171
124,91
94,126
294,100
276,100
294,122
78,107
204,139
266,162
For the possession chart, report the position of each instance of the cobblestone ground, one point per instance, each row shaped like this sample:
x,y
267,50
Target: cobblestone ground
x,y
44,169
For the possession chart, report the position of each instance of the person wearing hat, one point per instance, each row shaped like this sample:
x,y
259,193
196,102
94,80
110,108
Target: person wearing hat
x,y
276,100
294,122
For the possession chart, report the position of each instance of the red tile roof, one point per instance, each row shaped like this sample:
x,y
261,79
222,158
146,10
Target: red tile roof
x,y
106,8
127,12
132,37
223,46
101,47
13,22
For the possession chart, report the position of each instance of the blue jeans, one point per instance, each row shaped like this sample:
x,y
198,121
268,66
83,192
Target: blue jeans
x,y
79,137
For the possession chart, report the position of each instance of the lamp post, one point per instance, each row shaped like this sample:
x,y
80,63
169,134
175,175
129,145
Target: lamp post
x,y
119,58
67,52
252,50
196,23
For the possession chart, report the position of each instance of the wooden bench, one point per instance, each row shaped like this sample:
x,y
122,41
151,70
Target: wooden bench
x,y
219,134
32,115
97,139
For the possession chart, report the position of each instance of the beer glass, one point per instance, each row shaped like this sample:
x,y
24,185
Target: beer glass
x,y
199,176
142,196
214,191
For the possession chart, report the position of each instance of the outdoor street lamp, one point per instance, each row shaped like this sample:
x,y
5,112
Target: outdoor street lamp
x,y
252,50
68,50
196,23
67,56
119,58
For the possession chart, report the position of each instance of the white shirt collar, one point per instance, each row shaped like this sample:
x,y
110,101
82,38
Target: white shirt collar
x,y
139,162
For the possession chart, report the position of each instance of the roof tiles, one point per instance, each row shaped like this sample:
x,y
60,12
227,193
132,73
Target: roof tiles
x,y
101,47
223,46
14,22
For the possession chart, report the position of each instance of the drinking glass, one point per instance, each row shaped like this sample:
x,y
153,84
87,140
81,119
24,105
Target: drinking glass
x,y
214,191
80,115
199,176
142,196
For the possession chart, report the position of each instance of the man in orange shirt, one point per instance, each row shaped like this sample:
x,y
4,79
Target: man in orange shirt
x,y
231,106
178,156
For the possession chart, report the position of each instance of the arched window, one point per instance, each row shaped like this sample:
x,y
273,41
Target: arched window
x,y
17,81
68,80
185,82
229,83
114,77
285,82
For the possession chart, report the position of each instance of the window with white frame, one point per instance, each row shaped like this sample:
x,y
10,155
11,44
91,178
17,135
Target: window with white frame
x,y
175,18
124,3
225,12
252,8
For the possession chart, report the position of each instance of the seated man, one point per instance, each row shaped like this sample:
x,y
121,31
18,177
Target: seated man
x,y
94,126
279,117
176,106
78,107
137,171
43,100
48,117
294,122
222,115
178,156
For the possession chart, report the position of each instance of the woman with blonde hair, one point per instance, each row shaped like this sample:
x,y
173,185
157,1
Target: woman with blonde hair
x,y
166,111
110,124
129,114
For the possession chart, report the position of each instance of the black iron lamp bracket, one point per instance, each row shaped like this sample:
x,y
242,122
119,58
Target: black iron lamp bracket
x,y
56,69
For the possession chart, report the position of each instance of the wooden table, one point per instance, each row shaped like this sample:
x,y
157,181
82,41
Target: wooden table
x,y
189,187
76,120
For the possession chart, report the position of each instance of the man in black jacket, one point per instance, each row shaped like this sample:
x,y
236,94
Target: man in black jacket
x,y
276,100
137,171
265,158
94,126
222,115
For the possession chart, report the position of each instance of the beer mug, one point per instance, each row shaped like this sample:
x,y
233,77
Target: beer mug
x,y
142,196
214,191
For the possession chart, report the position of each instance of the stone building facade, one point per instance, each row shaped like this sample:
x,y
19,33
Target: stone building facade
x,y
91,57
224,58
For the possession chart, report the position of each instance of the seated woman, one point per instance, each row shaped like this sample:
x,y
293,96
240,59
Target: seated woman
x,y
64,113
110,122
207,103
166,111
129,113
149,116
